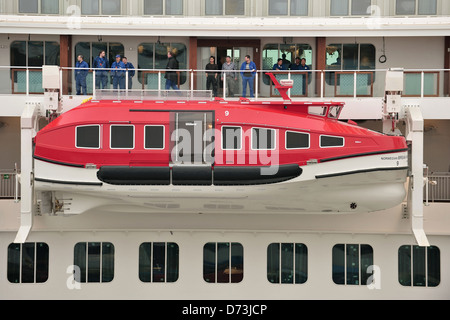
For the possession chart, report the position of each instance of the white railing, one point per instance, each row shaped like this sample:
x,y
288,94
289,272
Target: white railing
x,y
438,187
9,186
419,83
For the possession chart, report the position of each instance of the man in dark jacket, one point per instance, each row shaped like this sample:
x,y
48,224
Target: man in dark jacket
x,y
130,68
211,77
101,76
118,73
171,76
81,72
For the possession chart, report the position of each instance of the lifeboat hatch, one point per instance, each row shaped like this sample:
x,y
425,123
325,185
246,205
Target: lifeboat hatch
x,y
191,137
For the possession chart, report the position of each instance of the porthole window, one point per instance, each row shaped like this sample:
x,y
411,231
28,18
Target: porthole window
x,y
88,137
158,262
297,140
419,266
122,137
154,137
223,262
263,139
351,264
93,262
331,141
28,262
287,263
231,138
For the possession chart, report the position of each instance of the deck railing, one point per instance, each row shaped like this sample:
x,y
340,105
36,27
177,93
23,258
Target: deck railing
x,y
438,187
9,188
307,84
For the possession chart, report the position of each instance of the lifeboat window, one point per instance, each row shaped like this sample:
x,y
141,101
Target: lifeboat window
x,y
330,141
223,262
287,263
154,137
231,138
88,137
334,111
317,111
419,266
93,262
122,137
297,140
158,262
263,139
351,264
28,262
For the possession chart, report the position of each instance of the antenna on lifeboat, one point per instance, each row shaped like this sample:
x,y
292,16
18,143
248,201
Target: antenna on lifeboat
x,y
282,86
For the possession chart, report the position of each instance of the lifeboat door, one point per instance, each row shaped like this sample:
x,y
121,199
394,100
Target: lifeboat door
x,y
192,138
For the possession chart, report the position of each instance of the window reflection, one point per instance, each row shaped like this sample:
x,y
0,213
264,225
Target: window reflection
x,y
95,261
158,262
419,266
28,262
350,263
223,262
287,263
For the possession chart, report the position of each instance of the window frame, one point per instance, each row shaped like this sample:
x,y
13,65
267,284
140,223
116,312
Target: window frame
x,y
35,262
163,136
99,136
345,271
100,9
349,10
39,9
224,10
152,257
216,262
416,10
327,135
289,10
412,264
122,125
222,140
100,257
303,148
294,265
164,9
274,139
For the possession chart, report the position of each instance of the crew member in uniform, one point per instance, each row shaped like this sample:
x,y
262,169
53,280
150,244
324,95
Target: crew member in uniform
x,y
118,73
131,72
81,71
101,76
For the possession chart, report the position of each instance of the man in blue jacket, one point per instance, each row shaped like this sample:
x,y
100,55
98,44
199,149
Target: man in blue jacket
x,y
101,76
118,73
248,71
130,68
81,72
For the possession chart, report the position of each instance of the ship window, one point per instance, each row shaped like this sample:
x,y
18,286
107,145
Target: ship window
x,y
231,138
288,7
297,140
229,7
317,111
287,263
333,113
93,262
419,266
358,7
109,7
163,7
223,262
90,51
413,7
122,137
154,137
32,6
158,262
330,141
263,139
28,262
88,137
352,264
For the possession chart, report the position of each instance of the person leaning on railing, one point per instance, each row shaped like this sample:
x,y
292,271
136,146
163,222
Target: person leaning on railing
x,y
118,73
81,71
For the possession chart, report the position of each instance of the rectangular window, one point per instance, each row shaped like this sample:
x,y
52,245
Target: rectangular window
x,y
297,140
28,262
122,137
330,141
111,7
358,7
287,263
419,266
427,7
361,7
223,262
158,262
413,7
163,7
350,263
231,138
339,8
94,262
90,7
28,6
154,137
88,137
405,7
229,7
285,7
263,139
153,7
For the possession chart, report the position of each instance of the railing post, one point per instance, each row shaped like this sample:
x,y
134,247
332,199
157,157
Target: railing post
x,y
126,82
354,84
27,79
159,80
93,85
192,79
224,76
422,80
256,85
321,83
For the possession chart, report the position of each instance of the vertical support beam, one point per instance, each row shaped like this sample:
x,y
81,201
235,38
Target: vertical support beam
x,y
447,66
193,45
26,177
65,61
414,133
321,60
